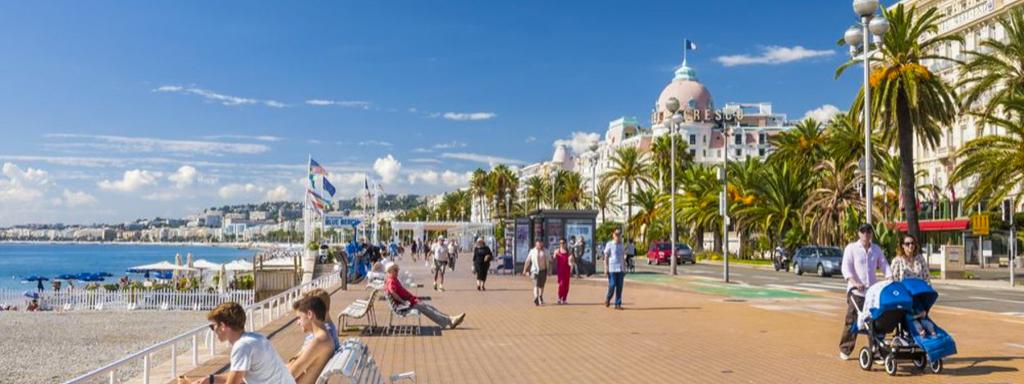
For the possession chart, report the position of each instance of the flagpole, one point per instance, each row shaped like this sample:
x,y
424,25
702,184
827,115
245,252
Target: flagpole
x,y
306,235
686,47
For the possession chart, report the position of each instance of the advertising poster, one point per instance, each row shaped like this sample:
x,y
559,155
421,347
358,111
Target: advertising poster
x,y
552,233
584,229
522,241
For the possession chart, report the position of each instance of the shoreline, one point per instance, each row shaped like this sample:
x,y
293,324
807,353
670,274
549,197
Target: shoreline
x,y
241,245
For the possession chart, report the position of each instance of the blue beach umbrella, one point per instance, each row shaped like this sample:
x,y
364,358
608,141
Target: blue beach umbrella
x,y
89,277
104,274
67,276
35,278
32,295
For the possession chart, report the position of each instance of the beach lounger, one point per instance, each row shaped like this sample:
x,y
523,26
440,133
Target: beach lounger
x,y
354,362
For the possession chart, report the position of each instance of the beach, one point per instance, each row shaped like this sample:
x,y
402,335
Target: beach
x,y
50,347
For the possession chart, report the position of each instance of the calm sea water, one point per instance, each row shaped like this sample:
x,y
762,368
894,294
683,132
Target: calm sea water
x,y
49,260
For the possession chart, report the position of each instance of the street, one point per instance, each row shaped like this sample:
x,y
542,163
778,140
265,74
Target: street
x,y
1000,300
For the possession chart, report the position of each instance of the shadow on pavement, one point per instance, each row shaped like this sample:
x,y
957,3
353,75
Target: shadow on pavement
x,y
400,330
659,308
975,369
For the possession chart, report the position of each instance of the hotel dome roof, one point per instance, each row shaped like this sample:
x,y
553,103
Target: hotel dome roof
x,y
685,87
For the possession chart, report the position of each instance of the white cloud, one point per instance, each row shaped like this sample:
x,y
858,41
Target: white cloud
x,y
278,193
426,176
450,145
469,116
184,176
530,139
422,150
234,191
340,103
244,137
149,144
774,55
822,114
487,159
580,141
215,97
375,143
424,160
453,179
131,181
314,141
20,186
77,198
387,168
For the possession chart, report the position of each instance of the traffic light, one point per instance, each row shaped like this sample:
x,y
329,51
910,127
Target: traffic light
x,y
1008,210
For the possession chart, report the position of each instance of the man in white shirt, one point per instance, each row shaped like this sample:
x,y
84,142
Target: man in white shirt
x,y
536,267
860,261
440,250
615,268
253,358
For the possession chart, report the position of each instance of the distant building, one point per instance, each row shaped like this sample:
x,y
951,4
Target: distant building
x,y
258,215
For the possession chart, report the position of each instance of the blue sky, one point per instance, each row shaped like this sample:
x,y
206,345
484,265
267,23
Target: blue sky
x,y
116,110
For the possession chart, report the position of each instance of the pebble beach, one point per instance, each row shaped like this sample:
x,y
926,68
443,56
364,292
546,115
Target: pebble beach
x,y
51,347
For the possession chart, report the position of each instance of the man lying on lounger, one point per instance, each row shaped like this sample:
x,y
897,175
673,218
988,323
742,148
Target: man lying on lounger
x,y
394,288
253,359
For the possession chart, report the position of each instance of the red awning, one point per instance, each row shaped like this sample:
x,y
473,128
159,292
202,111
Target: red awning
x,y
935,225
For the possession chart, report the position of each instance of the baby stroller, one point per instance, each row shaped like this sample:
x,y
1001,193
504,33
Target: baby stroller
x,y
890,308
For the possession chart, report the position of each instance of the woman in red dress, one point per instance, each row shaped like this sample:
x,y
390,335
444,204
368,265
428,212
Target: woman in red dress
x,y
564,270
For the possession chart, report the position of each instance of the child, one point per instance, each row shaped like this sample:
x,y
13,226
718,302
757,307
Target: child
x,y
924,326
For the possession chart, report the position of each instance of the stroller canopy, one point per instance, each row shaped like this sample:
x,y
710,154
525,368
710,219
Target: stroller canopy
x,y
893,296
924,295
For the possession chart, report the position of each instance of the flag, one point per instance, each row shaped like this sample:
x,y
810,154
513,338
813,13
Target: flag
x,y
328,187
316,169
318,202
690,45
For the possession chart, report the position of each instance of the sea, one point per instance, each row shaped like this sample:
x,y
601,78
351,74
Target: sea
x,y
19,260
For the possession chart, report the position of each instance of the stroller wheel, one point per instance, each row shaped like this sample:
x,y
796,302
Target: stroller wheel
x,y
921,362
936,366
865,358
890,365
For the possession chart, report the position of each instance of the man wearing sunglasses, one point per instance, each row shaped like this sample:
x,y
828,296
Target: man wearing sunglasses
x,y
253,358
861,259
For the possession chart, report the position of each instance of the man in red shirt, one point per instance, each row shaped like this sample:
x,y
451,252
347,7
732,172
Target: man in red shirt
x,y
393,286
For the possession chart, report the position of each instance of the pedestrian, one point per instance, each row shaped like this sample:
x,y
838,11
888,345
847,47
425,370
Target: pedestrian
x,y
860,260
39,285
614,268
252,359
631,256
393,286
482,257
908,263
578,249
453,253
440,250
537,268
56,286
563,260
414,247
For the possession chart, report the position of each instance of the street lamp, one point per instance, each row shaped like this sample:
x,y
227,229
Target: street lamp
x,y
672,105
859,36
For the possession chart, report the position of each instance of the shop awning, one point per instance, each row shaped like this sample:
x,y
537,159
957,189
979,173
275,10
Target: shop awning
x,y
935,225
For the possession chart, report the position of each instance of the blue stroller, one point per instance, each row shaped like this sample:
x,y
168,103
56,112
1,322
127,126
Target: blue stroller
x,y
890,308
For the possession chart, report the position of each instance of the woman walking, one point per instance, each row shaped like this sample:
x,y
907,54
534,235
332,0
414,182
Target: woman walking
x,y
908,263
482,257
537,268
563,260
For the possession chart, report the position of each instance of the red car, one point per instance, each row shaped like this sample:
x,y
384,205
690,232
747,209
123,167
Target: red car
x,y
658,253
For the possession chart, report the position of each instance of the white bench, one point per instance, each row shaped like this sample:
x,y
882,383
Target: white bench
x,y
358,310
354,362
401,311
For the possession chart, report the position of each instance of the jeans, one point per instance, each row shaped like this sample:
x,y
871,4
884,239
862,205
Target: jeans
x,y
434,314
849,339
615,287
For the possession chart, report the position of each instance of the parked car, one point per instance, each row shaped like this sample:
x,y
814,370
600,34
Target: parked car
x,y
658,252
826,261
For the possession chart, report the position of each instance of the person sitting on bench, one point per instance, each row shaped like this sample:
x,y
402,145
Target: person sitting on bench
x,y
253,358
393,286
311,313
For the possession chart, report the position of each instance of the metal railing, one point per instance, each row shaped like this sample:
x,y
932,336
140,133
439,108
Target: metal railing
x,y
257,316
129,299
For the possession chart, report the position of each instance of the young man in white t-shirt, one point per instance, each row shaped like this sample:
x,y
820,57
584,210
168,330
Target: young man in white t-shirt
x,y
253,358
440,250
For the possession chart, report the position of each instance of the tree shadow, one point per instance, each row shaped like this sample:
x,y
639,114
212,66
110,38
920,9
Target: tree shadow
x,y
975,366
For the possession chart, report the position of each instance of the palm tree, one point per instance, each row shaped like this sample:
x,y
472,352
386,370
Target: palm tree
x,y
997,67
908,99
803,144
889,173
661,152
629,170
846,140
995,161
501,182
604,200
828,204
779,194
647,215
478,184
535,191
698,203
571,193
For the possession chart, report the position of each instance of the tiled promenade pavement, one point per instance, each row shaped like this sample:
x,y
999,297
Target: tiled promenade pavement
x,y
673,330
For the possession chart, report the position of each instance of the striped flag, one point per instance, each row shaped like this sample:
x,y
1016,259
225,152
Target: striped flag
x,y
329,187
316,169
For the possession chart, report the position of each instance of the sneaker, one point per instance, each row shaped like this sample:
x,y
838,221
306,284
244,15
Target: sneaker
x,y
535,301
435,286
458,320
844,356
541,300
440,287
607,303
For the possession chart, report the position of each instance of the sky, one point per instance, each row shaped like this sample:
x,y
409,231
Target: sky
x,y
112,111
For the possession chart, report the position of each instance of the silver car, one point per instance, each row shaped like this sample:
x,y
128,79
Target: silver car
x,y
826,261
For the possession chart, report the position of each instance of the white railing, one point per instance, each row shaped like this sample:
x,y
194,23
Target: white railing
x,y
186,345
128,299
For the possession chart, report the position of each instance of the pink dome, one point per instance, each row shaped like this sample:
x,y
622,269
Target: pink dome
x,y
691,95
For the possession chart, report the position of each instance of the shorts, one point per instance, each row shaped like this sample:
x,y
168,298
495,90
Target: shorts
x,y
439,265
540,278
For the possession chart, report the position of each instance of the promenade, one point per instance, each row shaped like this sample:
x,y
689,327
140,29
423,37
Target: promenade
x,y
674,329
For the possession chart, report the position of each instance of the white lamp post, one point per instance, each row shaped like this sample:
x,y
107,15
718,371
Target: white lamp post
x,y
859,36
672,105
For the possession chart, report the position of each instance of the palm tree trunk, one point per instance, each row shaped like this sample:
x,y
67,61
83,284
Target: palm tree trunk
x,y
907,184
698,236
629,208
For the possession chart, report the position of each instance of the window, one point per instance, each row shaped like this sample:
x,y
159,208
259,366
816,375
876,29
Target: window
x,y
693,153
693,139
739,152
705,138
738,139
762,138
760,152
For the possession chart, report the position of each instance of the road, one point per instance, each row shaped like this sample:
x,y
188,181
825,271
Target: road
x,y
1004,301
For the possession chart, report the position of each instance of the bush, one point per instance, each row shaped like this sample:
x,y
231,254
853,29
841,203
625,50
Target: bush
x,y
110,287
245,282
604,231
708,255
